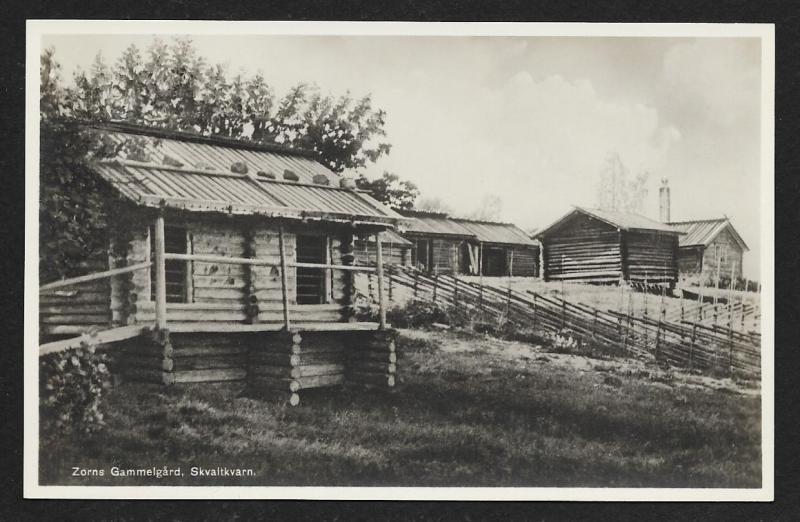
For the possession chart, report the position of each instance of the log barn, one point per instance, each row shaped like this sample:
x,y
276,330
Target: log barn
x,y
601,246
446,245
227,260
709,248
498,249
436,241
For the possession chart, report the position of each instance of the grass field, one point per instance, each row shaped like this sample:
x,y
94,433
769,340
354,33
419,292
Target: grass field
x,y
468,410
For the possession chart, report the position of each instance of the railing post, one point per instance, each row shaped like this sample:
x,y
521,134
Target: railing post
x,y
161,274
381,304
284,280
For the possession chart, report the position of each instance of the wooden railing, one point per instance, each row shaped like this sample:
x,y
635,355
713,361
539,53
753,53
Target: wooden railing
x,y
160,256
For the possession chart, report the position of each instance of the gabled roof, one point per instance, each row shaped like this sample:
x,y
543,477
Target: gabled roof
x,y
193,172
495,232
702,232
434,224
622,220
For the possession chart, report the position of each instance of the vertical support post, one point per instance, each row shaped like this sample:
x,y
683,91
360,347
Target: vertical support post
x,y
435,285
480,277
455,290
161,274
284,280
534,311
381,303
416,280
691,347
563,313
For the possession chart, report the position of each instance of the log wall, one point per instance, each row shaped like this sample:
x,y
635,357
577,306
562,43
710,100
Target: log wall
x,y
393,254
652,257
77,308
583,249
526,261
731,260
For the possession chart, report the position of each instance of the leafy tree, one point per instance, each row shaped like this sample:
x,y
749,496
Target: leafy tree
x,y
171,86
391,190
615,191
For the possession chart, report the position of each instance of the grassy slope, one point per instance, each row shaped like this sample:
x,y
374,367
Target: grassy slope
x,y
474,411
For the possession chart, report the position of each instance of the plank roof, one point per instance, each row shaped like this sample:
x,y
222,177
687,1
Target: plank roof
x,y
496,232
158,168
702,232
622,220
435,224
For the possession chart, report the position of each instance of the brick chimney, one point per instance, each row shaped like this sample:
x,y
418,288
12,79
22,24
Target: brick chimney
x,y
663,201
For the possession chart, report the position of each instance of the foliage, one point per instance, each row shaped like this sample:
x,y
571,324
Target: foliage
x,y
171,86
490,209
416,313
71,388
474,412
391,190
615,191
434,205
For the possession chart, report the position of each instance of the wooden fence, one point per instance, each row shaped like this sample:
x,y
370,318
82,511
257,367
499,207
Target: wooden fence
x,y
683,343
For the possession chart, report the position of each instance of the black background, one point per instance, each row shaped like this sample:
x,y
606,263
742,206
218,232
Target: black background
x,y
787,200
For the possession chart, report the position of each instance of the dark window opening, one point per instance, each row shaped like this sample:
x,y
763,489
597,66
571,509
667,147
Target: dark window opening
x,y
311,281
495,263
176,241
422,254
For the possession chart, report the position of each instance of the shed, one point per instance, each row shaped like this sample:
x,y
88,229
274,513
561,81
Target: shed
x,y
709,248
602,246
437,241
234,258
498,249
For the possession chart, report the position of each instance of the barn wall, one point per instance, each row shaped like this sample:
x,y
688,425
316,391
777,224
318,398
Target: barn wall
x,y
77,308
582,249
394,254
651,257
729,256
526,261
446,255
221,292
690,261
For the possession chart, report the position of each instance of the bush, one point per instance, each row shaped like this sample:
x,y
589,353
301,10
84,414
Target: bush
x,y
71,385
417,313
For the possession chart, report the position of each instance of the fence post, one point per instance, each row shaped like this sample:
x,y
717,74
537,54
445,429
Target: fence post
x,y
161,274
691,347
435,286
416,278
594,329
508,302
284,279
534,312
389,278
381,303
563,313
455,290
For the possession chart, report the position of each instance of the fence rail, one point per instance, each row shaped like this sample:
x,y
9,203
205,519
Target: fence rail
x,y
682,343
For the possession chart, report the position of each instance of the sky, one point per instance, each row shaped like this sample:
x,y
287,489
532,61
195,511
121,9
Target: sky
x,y
530,120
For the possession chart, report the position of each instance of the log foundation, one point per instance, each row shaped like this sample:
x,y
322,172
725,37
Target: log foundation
x,y
276,365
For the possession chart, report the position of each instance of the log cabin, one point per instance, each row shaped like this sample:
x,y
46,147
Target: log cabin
x,y
447,245
601,246
498,249
708,249
437,241
227,260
